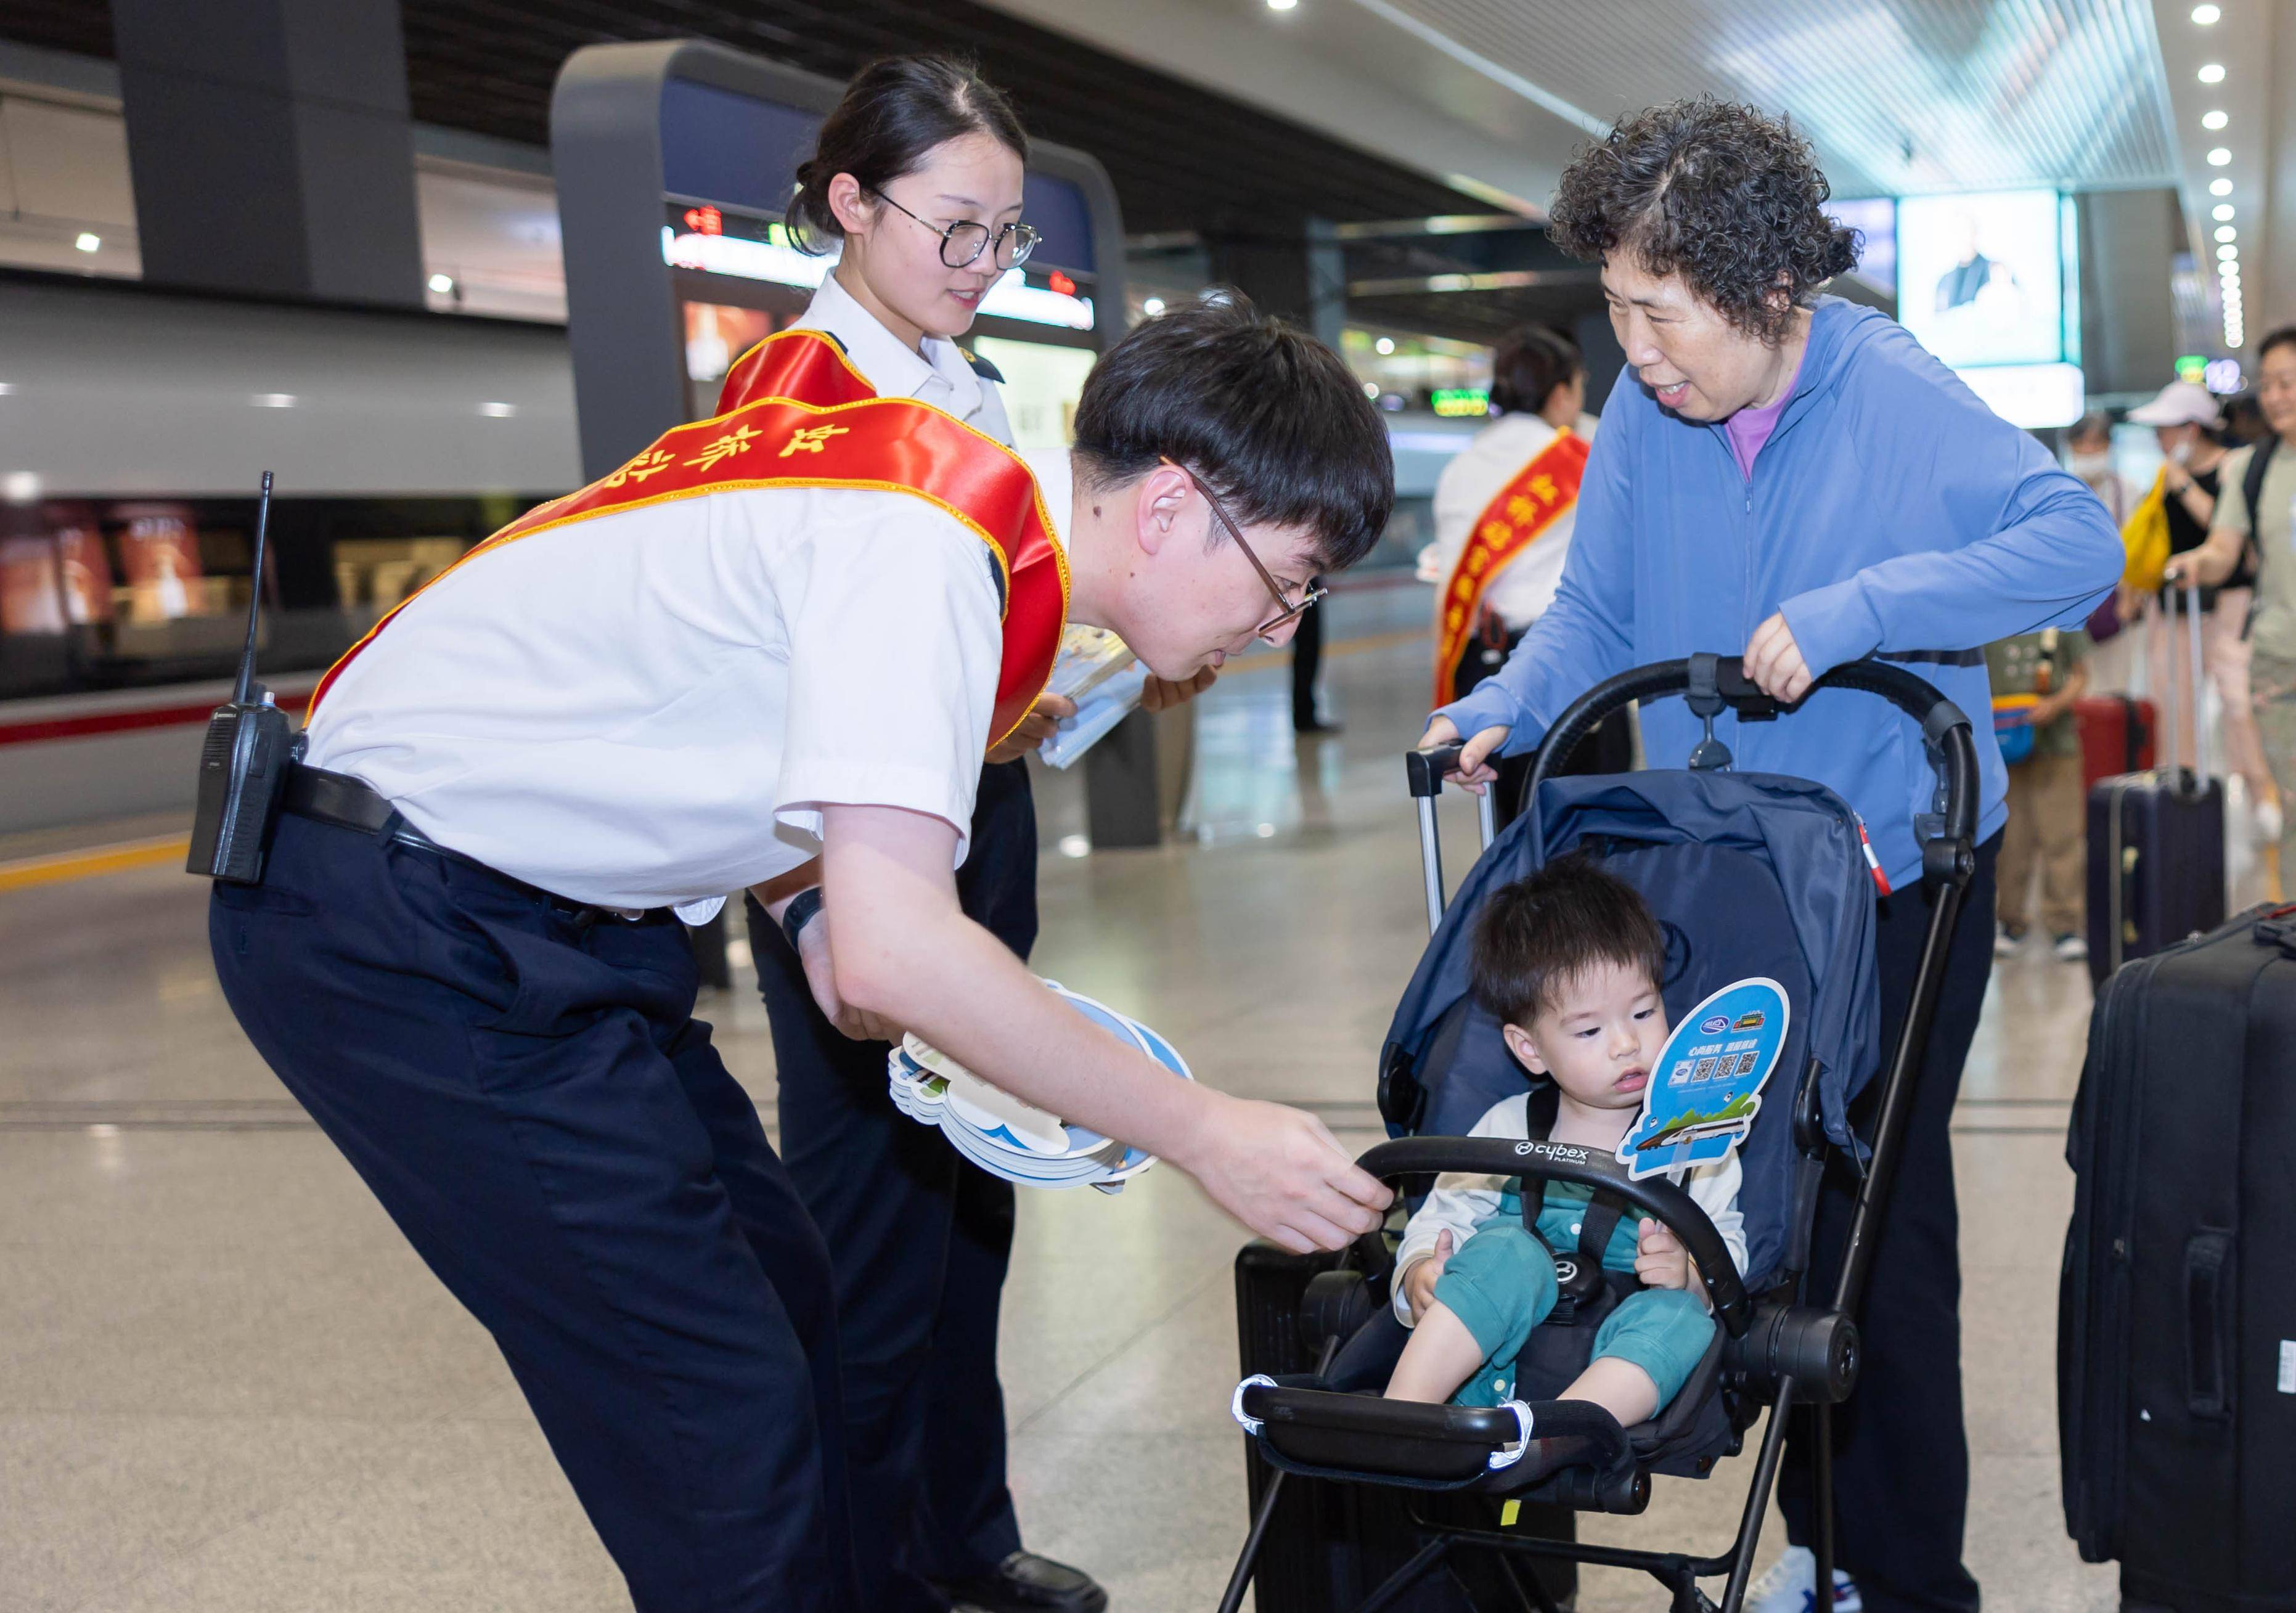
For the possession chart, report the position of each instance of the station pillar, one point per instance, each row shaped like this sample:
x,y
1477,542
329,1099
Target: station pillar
x,y
270,146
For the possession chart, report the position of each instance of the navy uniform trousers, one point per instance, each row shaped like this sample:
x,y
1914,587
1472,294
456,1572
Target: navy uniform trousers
x,y
919,1239
1900,1453
523,1086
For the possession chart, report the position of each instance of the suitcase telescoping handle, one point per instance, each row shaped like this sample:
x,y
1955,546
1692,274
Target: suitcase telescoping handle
x,y
2172,702
1426,770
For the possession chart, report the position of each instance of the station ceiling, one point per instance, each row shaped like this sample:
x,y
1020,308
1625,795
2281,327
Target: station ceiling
x,y
1182,157
1225,116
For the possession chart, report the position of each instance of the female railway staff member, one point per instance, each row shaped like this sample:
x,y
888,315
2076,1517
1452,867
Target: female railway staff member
x,y
785,633
917,175
1792,473
1503,509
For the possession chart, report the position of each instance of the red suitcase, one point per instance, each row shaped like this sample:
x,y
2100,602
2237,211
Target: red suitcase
x,y
2116,735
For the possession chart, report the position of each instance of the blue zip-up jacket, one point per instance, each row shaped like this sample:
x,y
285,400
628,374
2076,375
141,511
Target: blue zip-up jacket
x,y
1891,513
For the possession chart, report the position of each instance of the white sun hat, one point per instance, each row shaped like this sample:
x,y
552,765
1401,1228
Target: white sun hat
x,y
2180,402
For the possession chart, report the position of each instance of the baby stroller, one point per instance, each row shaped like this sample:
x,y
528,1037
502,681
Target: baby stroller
x,y
1358,1501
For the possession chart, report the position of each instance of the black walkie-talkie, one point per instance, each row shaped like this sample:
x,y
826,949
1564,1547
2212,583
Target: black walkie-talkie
x,y
243,765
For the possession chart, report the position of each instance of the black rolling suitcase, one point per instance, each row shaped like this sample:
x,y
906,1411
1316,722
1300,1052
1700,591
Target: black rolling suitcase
x,y
2176,1318
2156,851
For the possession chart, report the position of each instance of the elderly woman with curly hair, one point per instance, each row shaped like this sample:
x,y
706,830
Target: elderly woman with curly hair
x,y
1792,473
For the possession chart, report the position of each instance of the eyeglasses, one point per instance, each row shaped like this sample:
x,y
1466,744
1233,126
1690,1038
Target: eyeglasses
x,y
963,242
1286,610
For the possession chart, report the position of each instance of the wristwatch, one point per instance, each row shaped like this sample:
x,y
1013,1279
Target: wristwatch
x,y
801,911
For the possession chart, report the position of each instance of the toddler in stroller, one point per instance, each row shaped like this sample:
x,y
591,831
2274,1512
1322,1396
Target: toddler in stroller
x,y
1747,875
1571,963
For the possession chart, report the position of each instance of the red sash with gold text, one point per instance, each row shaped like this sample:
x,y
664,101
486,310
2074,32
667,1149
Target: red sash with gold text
x,y
795,414
1515,520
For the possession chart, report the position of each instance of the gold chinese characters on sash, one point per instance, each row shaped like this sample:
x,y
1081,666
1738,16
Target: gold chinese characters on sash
x,y
1522,512
795,414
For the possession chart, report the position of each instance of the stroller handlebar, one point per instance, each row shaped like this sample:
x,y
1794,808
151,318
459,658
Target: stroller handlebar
x,y
1654,1197
1712,682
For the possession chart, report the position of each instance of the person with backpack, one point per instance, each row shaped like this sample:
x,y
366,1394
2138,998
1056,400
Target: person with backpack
x,y
2254,516
2175,518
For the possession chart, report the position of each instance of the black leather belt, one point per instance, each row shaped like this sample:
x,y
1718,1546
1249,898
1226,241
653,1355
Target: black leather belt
x,y
349,803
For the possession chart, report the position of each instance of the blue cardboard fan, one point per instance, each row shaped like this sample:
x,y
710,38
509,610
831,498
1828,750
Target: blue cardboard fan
x,y
1706,1087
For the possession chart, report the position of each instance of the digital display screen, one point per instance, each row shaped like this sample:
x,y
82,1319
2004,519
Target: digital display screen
x,y
1988,278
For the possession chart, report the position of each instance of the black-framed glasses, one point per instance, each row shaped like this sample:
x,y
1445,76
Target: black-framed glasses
x,y
1287,610
963,242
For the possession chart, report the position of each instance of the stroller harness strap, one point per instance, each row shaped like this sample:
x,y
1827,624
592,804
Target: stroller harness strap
x,y
1582,1282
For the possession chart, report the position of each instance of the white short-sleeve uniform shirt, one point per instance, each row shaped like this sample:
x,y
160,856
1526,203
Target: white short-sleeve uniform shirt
x,y
1495,457
650,709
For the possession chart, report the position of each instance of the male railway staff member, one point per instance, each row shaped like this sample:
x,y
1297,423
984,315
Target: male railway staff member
x,y
790,631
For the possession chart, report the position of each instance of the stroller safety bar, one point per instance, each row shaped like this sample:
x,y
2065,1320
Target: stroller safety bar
x,y
1654,1197
1411,1421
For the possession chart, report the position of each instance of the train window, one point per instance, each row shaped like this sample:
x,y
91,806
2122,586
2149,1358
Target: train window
x,y
131,593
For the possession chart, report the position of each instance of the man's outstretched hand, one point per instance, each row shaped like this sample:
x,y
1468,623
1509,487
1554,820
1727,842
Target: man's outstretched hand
x,y
1281,1174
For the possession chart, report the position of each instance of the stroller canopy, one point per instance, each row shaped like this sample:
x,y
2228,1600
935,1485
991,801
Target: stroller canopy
x,y
1749,874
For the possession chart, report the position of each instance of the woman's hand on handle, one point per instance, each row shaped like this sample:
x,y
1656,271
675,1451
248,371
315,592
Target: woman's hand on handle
x,y
1475,773
1774,663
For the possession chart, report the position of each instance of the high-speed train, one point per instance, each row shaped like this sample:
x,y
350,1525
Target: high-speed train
x,y
135,425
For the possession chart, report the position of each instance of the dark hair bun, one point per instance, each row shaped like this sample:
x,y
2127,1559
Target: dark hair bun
x,y
894,113
1841,252
1529,364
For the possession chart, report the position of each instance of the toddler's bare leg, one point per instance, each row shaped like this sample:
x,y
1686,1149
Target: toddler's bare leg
x,y
1619,1388
1442,1355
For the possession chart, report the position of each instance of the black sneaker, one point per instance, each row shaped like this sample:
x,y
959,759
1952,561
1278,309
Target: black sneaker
x,y
1026,1583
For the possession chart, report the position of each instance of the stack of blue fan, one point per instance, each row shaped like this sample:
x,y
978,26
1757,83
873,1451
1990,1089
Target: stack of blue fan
x,y
1015,1140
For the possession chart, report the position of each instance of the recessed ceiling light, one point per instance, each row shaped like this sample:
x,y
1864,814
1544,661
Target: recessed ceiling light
x,y
6,387
1152,307
1281,5
89,242
444,284
2212,73
2226,231
2219,187
21,487
2227,253
497,411
1370,388
2220,156
1384,345
273,400
2216,119
2221,212
2207,14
